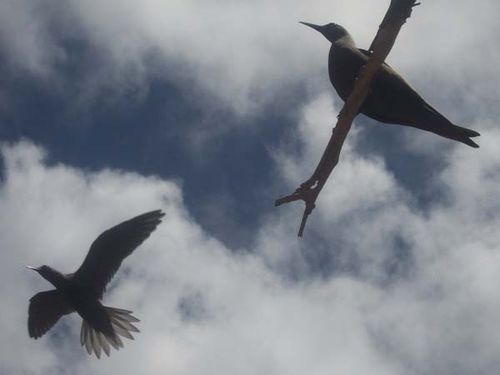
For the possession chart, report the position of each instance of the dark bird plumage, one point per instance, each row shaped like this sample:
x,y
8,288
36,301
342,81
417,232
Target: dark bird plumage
x,y
391,99
82,291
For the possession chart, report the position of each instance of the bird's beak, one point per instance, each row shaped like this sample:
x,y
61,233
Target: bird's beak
x,y
315,27
32,268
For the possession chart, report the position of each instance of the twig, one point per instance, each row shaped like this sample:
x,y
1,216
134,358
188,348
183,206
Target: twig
x,y
398,12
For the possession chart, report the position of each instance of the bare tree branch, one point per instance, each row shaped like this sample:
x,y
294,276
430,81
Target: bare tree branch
x,y
398,12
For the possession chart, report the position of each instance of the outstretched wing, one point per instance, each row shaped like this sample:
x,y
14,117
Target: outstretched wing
x,y
44,311
111,247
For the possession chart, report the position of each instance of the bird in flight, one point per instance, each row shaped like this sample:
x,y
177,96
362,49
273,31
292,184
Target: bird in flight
x,y
391,99
82,291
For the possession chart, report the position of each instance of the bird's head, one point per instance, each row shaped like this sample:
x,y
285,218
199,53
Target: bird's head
x,y
331,31
46,272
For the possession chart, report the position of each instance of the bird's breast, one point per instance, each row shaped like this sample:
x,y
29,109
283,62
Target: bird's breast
x,y
344,65
77,296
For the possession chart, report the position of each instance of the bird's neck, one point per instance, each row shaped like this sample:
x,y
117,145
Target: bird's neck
x,y
345,42
56,278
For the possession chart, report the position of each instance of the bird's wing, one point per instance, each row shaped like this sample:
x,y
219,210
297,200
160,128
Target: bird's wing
x,y
391,78
395,98
368,54
111,247
44,311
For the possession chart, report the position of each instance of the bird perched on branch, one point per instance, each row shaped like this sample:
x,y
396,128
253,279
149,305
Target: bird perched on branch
x,y
391,99
82,291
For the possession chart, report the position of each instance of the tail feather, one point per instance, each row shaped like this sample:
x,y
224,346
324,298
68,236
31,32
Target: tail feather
x,y
85,339
124,324
98,342
105,344
118,311
471,133
469,142
464,135
122,331
457,133
123,314
432,120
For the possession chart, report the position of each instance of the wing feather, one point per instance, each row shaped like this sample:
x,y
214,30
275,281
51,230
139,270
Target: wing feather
x,y
111,247
44,311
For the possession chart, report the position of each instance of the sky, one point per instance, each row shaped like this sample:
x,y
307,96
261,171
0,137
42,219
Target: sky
x,y
210,110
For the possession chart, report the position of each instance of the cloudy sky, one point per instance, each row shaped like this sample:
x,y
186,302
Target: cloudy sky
x,y
210,110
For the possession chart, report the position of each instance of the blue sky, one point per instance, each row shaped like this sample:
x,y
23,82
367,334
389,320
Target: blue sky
x,y
152,135
211,110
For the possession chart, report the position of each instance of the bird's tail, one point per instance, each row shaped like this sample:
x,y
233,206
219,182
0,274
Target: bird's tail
x,y
437,123
97,342
463,135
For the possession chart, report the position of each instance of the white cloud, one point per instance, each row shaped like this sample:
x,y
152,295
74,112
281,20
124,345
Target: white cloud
x,y
242,54
433,271
25,38
205,310
401,291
